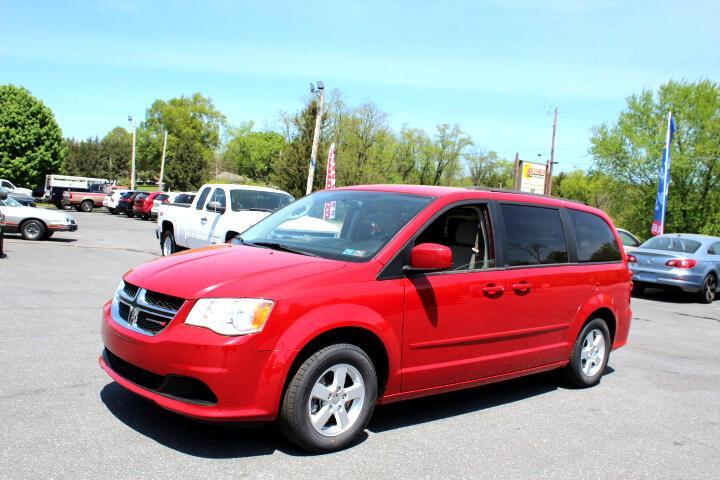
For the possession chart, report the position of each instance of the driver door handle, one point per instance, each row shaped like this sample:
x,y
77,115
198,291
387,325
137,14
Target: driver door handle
x,y
522,287
493,289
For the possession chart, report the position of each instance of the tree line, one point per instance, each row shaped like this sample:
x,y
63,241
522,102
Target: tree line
x,y
202,143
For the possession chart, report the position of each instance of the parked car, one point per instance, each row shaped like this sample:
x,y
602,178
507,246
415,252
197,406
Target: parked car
x,y
22,199
111,200
125,202
34,223
10,188
217,214
84,201
421,290
179,199
629,241
143,204
682,261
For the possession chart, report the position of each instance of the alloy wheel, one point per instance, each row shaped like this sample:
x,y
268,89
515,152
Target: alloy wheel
x,y
336,400
710,287
592,354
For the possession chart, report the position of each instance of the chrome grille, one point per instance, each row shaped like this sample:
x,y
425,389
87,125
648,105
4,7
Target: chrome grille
x,y
144,311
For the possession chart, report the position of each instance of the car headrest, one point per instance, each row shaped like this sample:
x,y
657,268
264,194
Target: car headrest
x,y
466,233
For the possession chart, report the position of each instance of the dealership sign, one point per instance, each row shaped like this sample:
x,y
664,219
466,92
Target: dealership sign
x,y
532,177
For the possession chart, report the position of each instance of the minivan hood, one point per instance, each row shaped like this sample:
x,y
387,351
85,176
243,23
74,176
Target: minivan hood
x,y
227,271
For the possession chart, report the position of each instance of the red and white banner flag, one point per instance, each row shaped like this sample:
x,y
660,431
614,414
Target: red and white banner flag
x,y
329,212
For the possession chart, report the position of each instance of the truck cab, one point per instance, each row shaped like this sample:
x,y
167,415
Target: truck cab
x,y
218,213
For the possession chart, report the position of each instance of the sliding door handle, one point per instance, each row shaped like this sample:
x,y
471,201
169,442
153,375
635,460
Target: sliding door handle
x,y
493,289
522,287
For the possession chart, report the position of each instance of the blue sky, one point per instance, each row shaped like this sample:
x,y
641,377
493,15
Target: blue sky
x,y
496,67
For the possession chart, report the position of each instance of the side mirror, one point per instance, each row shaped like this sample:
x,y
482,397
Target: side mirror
x,y
3,194
429,257
215,207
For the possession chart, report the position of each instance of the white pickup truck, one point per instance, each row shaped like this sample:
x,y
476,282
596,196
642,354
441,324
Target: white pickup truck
x,y
217,214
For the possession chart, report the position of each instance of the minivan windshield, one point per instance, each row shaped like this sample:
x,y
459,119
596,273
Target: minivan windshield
x,y
347,225
672,244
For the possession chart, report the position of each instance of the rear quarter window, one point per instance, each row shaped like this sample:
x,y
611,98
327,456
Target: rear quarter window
x,y
533,235
595,239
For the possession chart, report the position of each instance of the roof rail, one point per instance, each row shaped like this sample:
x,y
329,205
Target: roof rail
x,y
518,192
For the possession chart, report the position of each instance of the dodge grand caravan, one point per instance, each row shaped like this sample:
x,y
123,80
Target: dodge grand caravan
x,y
412,292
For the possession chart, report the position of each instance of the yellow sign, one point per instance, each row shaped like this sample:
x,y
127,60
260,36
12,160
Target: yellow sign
x,y
532,178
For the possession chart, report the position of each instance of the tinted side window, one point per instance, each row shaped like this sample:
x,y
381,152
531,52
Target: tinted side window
x,y
218,196
533,235
595,240
714,249
203,196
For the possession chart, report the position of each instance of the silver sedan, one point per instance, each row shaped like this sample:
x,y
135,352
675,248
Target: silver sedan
x,y
678,260
34,223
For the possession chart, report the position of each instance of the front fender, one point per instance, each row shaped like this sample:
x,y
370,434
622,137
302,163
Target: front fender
x,y
295,336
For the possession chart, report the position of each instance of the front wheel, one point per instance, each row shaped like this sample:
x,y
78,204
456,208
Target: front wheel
x,y
168,245
708,291
589,355
330,399
33,230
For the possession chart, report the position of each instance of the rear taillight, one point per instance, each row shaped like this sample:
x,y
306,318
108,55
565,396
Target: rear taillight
x,y
681,263
631,258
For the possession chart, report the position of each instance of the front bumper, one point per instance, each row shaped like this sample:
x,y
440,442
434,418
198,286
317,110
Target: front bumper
x,y
676,277
63,228
246,383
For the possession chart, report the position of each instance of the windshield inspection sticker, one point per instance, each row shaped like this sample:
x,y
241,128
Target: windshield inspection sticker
x,y
354,253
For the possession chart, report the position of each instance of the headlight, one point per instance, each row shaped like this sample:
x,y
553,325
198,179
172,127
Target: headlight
x,y
231,316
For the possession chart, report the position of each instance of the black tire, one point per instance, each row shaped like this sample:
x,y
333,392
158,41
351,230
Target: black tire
x,y
59,205
77,208
170,247
130,214
87,206
709,289
574,373
294,417
33,230
112,211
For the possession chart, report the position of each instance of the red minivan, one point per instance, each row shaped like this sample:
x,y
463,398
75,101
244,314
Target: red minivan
x,y
356,296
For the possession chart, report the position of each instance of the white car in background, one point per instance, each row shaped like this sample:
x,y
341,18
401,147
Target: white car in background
x,y
7,185
218,213
111,201
31,222
629,240
183,199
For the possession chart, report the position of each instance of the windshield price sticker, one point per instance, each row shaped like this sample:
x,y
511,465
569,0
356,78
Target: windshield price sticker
x,y
354,253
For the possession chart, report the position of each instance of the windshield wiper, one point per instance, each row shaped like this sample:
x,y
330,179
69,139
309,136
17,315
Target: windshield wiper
x,y
257,209
280,247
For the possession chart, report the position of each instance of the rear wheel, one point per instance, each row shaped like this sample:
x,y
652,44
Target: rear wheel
x,y
33,230
589,355
87,206
708,291
168,245
330,399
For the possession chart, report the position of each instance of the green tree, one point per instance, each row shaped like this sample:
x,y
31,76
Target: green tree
x,y
116,148
31,143
629,151
444,166
193,126
289,172
413,150
486,169
590,188
84,158
253,154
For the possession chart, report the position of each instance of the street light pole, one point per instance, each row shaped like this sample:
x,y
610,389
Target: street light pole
x,y
162,162
131,118
316,136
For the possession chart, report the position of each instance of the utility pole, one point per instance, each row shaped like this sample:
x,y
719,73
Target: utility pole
x,y
551,162
518,173
316,137
131,118
162,163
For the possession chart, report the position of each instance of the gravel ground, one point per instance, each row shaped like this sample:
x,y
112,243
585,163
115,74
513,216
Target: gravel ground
x,y
656,413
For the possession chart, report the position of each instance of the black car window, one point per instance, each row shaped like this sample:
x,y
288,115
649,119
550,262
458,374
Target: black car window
x,y
203,196
218,196
595,239
533,235
466,231
258,200
627,239
672,244
714,249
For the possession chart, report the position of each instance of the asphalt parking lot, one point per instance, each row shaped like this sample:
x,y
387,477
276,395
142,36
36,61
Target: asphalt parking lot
x,y
656,413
